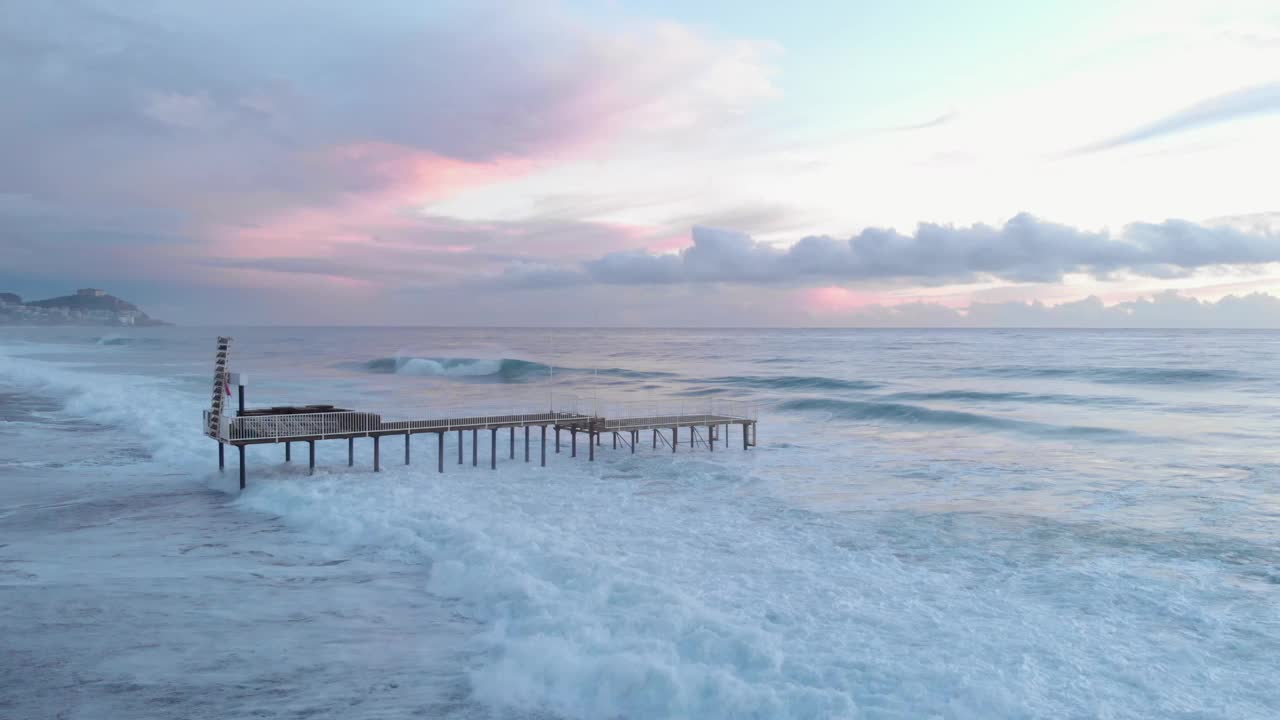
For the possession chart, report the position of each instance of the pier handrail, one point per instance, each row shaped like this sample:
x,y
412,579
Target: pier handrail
x,y
349,423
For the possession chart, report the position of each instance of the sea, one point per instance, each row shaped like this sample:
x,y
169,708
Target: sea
x,y
948,524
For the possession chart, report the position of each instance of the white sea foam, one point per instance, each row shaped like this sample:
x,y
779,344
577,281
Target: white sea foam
x,y
682,593
828,573
469,368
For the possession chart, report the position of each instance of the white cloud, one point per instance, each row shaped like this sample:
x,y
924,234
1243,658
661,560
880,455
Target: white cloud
x,y
1024,249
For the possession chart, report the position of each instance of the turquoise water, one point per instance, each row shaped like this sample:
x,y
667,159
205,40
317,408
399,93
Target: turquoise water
x,y
950,524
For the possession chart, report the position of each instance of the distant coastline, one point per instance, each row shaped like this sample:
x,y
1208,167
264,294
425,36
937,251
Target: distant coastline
x,y
88,306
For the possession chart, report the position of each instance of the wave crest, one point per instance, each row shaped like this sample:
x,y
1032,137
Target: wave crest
x,y
1116,375
505,369
905,414
793,382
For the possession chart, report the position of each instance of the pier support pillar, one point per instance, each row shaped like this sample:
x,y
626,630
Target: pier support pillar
x,y
693,433
513,442
241,447
406,448
493,447
311,457
440,451
544,446
526,443
615,441
459,447
475,447
573,443
655,438
557,438
635,439
288,452
711,438
674,439
744,436
377,458
351,452
592,440
222,458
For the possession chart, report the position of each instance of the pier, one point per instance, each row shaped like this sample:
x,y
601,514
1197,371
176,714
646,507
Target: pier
x,y
668,429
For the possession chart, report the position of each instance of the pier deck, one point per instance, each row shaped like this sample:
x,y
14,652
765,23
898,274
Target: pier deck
x,y
290,425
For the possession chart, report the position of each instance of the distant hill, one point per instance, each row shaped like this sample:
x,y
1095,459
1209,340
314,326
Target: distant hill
x,y
87,302
88,306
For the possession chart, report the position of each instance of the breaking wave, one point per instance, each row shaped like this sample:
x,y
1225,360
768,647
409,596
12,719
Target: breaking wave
x,y
504,369
115,340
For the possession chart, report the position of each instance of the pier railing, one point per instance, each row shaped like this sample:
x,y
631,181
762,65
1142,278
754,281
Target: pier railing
x,y
568,410
342,424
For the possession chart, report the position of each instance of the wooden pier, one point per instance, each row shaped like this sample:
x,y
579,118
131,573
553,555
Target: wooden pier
x,y
314,423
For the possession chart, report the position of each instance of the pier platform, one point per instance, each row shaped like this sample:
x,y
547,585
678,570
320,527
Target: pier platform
x,y
703,426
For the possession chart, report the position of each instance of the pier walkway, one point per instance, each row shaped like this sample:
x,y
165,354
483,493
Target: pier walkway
x,y
704,425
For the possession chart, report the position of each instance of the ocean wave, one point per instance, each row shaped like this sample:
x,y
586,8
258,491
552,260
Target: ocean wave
x,y
625,373
905,414
1014,397
149,408
503,369
791,382
117,340
1115,375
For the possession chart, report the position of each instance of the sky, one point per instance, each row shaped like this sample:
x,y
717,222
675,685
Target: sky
x,y
659,163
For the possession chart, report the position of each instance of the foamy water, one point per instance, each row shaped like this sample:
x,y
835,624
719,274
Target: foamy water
x,y
935,524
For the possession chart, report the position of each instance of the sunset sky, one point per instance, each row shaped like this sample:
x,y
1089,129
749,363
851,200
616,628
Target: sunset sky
x,y
647,163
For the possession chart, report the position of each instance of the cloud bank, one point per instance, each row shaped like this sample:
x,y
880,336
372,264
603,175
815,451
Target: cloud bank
x,y
1025,249
1162,310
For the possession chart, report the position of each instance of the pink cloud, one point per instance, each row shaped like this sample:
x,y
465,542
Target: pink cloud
x,y
834,299
390,184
